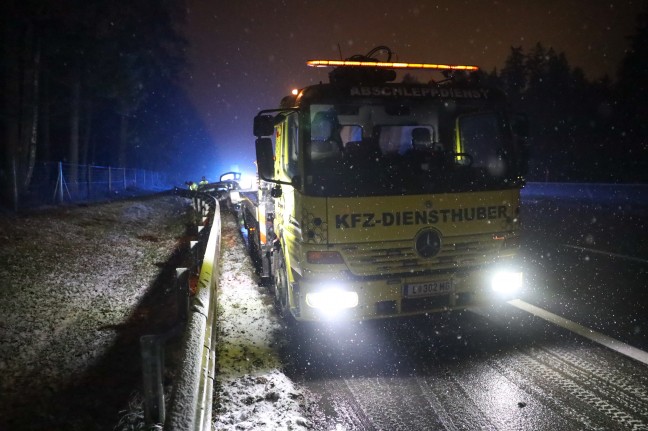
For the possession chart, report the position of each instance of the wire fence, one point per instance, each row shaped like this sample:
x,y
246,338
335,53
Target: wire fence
x,y
58,183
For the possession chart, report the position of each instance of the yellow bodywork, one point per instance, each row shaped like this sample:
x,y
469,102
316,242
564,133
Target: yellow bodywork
x,y
376,239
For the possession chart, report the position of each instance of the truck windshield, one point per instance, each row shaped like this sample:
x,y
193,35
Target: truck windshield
x,y
378,148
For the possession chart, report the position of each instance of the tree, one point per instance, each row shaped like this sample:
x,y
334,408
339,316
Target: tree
x,y
20,66
571,136
632,100
142,41
514,76
63,61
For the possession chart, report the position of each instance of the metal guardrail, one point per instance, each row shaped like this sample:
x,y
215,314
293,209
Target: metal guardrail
x,y
191,401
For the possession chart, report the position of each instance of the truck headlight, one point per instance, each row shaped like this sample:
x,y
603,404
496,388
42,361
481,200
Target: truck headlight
x,y
332,299
506,282
235,196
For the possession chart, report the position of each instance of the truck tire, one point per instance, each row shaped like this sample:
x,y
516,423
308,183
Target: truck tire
x,y
253,248
281,288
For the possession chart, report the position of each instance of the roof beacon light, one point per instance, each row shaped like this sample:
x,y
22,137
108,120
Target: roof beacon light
x,y
388,65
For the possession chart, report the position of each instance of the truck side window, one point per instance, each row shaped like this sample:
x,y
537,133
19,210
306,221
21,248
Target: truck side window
x,y
480,135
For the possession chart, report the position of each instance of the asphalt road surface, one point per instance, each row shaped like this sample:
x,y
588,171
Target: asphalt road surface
x,y
503,367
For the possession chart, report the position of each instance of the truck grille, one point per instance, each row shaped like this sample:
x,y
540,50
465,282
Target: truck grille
x,y
401,258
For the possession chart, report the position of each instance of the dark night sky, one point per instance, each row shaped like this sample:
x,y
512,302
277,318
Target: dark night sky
x,y
245,55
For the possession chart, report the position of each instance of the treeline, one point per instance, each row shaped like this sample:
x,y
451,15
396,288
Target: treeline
x,y
581,130
92,82
98,82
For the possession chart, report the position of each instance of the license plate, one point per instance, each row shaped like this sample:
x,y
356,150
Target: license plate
x,y
430,288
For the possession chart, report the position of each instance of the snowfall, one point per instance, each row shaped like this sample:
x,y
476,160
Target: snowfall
x,y
73,282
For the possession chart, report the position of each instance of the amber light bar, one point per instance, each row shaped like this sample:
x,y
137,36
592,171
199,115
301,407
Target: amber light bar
x,y
387,65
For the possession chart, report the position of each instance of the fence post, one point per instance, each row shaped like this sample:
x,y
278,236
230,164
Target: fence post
x,y
124,178
60,181
89,181
60,185
14,174
183,290
109,180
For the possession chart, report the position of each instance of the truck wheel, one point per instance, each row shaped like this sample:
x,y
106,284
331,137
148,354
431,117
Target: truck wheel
x,y
281,288
254,250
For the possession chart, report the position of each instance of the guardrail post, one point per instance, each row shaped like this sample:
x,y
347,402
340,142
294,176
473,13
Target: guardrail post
x,y
14,177
203,237
195,255
182,286
152,350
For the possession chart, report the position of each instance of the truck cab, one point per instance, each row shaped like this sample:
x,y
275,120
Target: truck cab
x,y
380,199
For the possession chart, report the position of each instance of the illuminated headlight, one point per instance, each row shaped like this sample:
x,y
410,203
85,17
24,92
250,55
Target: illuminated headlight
x,y
506,282
246,182
235,197
332,299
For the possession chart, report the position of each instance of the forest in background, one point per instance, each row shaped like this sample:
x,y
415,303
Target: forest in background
x,y
94,82
100,82
581,130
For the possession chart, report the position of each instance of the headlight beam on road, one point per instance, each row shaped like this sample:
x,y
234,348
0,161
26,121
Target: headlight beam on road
x,y
590,334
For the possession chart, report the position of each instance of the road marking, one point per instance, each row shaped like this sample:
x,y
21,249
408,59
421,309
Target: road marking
x,y
606,253
590,334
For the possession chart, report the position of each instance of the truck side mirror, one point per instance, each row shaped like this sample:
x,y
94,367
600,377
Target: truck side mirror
x,y
264,125
265,158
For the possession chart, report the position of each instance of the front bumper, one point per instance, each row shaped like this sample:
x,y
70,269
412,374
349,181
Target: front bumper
x,y
340,298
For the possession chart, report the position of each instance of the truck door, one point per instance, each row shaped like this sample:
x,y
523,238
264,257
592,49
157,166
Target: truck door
x,y
288,167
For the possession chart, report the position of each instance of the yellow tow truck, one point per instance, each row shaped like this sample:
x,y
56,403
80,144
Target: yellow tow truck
x,y
379,199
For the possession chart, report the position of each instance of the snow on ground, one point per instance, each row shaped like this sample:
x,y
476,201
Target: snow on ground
x,y
252,393
75,286
72,282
